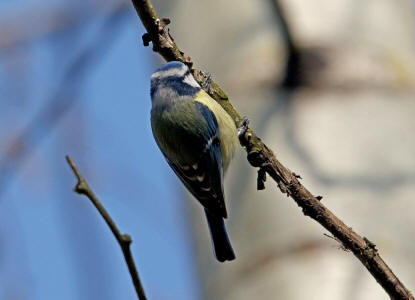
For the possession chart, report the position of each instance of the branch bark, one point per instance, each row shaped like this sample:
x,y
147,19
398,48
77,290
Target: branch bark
x,y
259,155
124,240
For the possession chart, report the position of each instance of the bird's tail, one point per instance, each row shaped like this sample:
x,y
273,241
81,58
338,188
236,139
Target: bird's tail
x,y
221,243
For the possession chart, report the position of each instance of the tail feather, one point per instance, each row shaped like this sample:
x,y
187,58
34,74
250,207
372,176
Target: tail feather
x,y
221,244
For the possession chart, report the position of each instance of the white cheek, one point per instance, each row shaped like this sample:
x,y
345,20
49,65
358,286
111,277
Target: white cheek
x,y
190,81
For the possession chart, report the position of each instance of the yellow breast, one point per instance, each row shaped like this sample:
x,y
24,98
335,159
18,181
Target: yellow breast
x,y
227,129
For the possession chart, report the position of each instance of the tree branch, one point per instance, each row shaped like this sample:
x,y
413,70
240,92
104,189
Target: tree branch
x,y
124,240
259,155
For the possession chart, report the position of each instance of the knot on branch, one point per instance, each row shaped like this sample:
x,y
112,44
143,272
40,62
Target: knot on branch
x,y
370,250
81,188
126,240
262,177
159,36
255,157
314,211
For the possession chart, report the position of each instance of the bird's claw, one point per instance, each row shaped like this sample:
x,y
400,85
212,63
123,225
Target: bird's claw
x,y
206,83
243,127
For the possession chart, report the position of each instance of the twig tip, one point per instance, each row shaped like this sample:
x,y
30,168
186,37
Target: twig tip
x,y
81,187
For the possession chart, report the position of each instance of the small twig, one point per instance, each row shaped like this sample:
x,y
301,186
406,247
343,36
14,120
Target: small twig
x,y
259,155
124,240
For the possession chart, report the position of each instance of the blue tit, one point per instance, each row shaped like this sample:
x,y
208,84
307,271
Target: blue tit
x,y
198,139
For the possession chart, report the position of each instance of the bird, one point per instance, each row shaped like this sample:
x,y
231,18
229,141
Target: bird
x,y
198,139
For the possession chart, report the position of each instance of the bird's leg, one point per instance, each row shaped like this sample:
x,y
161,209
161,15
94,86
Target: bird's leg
x,y
206,83
243,127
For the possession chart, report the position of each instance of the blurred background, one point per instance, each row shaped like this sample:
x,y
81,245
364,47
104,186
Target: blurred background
x,y
329,86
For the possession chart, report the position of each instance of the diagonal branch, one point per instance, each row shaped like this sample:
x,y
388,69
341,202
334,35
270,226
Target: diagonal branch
x,y
259,155
124,240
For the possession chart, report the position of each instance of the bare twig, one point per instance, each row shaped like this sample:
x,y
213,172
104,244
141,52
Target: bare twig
x,y
124,240
259,155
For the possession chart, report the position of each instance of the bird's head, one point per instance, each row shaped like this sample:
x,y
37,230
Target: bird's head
x,y
172,82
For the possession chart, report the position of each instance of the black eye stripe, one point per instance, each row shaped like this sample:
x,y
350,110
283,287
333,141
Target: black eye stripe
x,y
175,83
181,88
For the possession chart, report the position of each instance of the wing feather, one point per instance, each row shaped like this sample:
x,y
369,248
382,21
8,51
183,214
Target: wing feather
x,y
204,177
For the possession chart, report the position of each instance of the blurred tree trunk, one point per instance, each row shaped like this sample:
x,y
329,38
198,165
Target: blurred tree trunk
x,y
346,126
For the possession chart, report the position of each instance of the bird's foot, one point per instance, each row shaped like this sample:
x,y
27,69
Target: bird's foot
x,y
206,83
243,127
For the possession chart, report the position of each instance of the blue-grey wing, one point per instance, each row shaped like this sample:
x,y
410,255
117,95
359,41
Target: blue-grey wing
x,y
204,178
